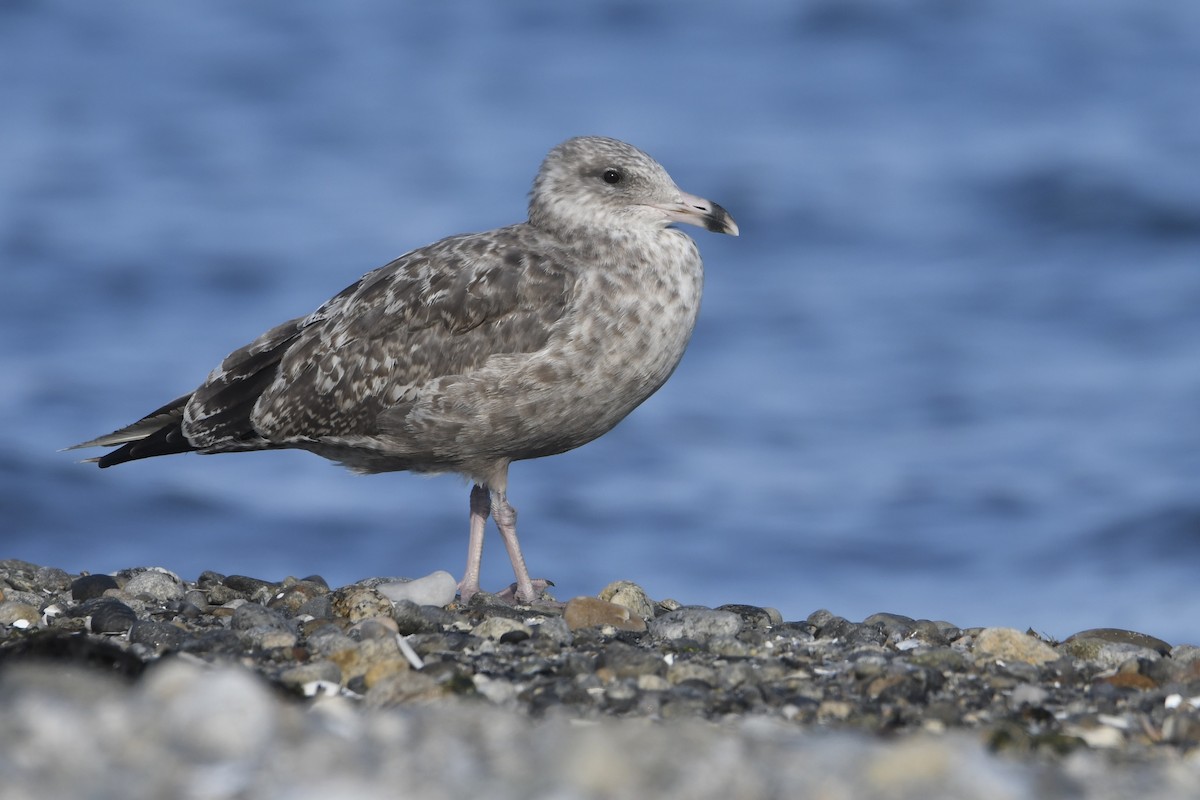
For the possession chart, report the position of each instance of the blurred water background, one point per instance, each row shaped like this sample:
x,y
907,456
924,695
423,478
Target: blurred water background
x,y
951,369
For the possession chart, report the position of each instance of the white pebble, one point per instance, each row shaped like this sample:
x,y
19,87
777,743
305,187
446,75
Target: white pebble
x,y
436,589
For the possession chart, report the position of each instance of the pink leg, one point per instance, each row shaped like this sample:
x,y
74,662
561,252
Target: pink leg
x,y
506,520
481,505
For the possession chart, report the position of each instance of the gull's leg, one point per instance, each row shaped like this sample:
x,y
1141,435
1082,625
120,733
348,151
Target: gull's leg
x,y
506,520
481,505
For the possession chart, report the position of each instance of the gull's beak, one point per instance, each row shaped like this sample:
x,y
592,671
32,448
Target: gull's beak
x,y
692,210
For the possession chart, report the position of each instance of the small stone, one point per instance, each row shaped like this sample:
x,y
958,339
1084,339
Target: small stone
x,y
620,660
835,710
1096,734
435,589
501,627
291,598
410,618
110,616
1131,680
752,616
649,682
380,671
896,626
356,602
374,628
1120,636
1185,653
403,687
87,587
268,638
51,579
498,690
1010,644
1028,694
945,659
218,714
296,677
628,594
554,629
696,623
317,608
589,612
19,615
683,671
252,615
252,589
1107,654
355,661
155,585
329,639
158,636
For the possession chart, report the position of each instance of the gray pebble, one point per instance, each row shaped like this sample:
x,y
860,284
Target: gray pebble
x,y
158,636
253,615
436,589
625,661
695,623
752,616
410,618
156,586
553,629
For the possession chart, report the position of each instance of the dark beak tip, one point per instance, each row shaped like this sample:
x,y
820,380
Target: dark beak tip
x,y
718,220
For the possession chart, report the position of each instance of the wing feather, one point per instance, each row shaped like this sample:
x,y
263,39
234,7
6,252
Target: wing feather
x,y
437,311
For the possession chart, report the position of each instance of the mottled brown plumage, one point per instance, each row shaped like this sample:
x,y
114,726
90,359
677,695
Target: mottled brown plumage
x,y
476,351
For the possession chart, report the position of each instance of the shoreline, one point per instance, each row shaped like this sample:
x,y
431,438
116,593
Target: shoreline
x,y
592,697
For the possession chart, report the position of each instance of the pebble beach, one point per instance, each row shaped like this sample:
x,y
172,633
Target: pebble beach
x,y
144,684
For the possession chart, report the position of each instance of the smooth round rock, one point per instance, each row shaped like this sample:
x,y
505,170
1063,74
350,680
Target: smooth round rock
x,y
19,615
214,714
290,599
592,612
502,628
158,636
696,623
753,616
155,585
435,589
110,616
629,595
1010,644
87,587
1120,636
253,615
1107,654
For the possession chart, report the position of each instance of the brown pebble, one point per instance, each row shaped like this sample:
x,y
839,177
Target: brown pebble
x,y
589,612
1010,644
1131,680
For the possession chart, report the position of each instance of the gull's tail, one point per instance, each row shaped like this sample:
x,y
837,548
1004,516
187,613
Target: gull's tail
x,y
159,433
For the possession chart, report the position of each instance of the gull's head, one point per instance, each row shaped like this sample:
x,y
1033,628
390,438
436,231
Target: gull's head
x,y
592,182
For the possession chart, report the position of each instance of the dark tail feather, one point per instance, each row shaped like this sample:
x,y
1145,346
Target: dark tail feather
x,y
157,434
163,442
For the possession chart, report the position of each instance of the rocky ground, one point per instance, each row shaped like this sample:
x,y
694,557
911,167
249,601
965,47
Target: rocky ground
x,y
141,684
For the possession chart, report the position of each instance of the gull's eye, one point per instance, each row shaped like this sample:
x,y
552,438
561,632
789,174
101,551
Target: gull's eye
x,y
612,176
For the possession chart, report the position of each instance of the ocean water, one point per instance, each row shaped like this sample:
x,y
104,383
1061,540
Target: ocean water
x,y
951,368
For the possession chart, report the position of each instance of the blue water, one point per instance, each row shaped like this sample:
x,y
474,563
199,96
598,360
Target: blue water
x,y
950,369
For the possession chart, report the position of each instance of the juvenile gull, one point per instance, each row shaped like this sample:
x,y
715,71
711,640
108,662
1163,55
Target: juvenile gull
x,y
475,351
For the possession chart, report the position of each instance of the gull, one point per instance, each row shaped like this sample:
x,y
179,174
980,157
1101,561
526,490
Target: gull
x,y
475,351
